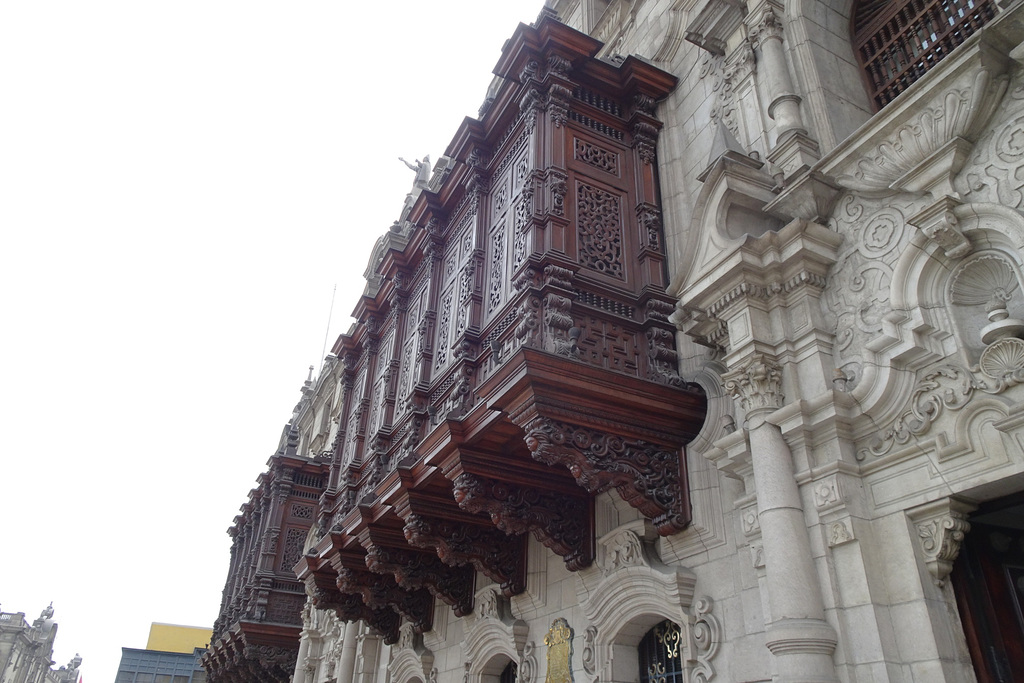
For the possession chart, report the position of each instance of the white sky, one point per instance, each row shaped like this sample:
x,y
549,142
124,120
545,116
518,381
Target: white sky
x,y
181,186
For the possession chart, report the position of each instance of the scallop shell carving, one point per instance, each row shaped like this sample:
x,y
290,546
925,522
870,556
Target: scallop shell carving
x,y
1002,358
982,280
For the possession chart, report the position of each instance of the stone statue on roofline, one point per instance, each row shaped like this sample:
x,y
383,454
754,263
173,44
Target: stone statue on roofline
x,y
423,170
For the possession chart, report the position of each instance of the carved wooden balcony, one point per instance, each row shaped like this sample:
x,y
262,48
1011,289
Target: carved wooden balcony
x,y
513,355
423,499
258,626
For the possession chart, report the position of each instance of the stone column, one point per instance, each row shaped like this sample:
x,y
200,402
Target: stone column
x,y
783,104
347,666
794,150
300,659
798,636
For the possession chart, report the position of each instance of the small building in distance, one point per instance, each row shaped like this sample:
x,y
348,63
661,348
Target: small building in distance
x,y
26,650
172,655
175,638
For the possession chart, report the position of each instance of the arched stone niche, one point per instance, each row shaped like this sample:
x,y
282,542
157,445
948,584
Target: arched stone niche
x,y
493,638
635,592
936,338
923,326
985,293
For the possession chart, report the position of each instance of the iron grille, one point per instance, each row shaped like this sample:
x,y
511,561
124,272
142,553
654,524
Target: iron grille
x,y
897,42
660,659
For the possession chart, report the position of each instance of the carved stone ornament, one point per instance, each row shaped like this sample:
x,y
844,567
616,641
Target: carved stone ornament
x,y
985,281
839,533
490,605
941,527
951,387
715,24
990,281
559,644
706,633
410,660
622,549
589,653
922,148
938,222
528,664
757,384
770,26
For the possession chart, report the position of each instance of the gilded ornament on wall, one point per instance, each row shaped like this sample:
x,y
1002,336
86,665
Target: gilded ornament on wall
x,y
559,642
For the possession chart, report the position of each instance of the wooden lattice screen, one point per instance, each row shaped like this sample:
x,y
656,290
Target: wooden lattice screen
x,y
897,42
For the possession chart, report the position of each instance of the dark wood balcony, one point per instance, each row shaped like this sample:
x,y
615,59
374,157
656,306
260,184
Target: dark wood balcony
x,y
513,356
255,636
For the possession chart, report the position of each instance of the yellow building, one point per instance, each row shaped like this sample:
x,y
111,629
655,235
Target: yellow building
x,y
174,638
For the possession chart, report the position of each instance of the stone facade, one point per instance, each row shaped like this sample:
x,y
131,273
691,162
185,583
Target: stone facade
x,y
848,299
26,649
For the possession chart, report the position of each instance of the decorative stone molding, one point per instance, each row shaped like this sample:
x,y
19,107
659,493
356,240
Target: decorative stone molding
x,y
636,595
622,548
988,280
715,24
750,521
757,383
950,387
733,93
493,634
920,144
827,494
768,27
810,196
528,664
940,528
706,635
839,533
757,555
410,660
772,268
938,222
588,655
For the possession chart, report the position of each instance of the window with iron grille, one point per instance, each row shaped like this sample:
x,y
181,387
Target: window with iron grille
x,y
660,659
897,41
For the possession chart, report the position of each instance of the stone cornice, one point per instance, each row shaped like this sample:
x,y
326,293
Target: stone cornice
x,y
768,269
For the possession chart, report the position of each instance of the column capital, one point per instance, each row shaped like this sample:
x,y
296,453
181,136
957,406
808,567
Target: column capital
x,y
770,26
757,384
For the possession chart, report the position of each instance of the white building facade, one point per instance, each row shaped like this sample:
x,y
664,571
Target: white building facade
x,y
844,243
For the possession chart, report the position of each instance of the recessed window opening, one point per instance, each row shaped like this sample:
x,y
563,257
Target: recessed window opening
x,y
659,654
897,42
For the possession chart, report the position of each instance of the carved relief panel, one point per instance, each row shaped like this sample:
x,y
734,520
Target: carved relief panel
x,y
605,240
859,284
